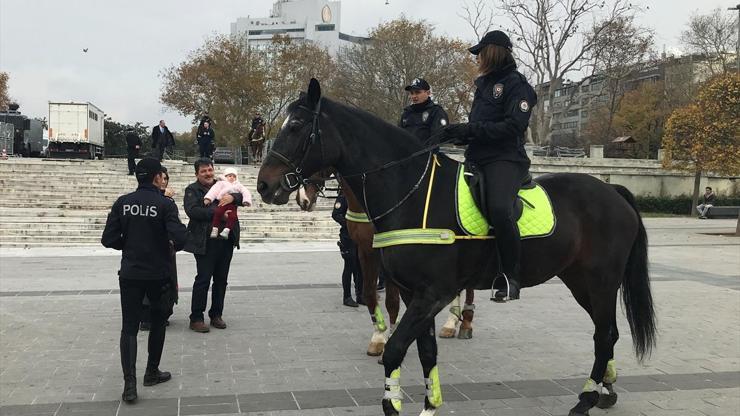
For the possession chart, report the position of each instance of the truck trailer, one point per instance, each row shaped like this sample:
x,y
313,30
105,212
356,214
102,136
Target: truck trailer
x,y
76,131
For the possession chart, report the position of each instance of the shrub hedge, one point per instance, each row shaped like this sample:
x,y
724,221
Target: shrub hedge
x,y
679,205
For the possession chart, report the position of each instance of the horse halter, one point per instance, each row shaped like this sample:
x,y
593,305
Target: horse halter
x,y
294,178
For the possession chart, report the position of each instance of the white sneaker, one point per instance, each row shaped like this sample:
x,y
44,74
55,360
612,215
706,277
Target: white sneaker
x,y
214,232
225,233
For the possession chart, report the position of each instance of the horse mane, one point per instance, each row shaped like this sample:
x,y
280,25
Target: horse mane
x,y
381,128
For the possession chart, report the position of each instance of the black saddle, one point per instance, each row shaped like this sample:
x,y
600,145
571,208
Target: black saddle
x,y
476,182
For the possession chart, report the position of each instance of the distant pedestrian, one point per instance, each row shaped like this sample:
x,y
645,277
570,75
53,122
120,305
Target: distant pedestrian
x,y
348,250
206,138
707,202
133,146
212,256
161,138
228,184
143,224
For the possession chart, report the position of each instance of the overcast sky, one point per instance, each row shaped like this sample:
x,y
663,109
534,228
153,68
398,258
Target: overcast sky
x,y
131,41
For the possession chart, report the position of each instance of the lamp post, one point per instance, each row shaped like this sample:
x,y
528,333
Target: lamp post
x,y
737,43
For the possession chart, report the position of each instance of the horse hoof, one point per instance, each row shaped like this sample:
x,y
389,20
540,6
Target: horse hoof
x,y
447,332
375,349
607,400
388,409
574,413
465,333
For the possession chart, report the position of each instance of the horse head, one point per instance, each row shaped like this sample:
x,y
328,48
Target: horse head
x,y
300,149
309,192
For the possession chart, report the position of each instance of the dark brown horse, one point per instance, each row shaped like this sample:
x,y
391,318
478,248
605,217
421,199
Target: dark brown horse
x,y
361,232
256,141
598,247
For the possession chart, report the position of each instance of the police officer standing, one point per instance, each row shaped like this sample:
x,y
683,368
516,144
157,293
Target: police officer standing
x,y
496,133
133,145
142,224
423,118
348,249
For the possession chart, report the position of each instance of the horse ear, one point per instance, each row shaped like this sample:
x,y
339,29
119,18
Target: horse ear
x,y
314,93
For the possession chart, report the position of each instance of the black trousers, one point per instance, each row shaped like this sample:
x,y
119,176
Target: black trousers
x,y
132,295
351,268
502,181
131,156
205,148
214,264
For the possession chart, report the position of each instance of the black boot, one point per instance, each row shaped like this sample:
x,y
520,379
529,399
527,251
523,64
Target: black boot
x,y
128,364
512,284
152,375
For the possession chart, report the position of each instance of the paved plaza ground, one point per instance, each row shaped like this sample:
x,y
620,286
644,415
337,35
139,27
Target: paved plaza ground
x,y
291,348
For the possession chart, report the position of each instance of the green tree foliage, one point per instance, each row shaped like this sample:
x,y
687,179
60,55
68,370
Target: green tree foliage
x,y
115,136
372,75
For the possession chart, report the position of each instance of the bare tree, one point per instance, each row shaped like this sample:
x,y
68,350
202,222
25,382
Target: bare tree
x,y
621,50
712,35
554,39
478,16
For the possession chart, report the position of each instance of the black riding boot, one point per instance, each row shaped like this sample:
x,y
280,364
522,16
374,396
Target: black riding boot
x,y
152,375
509,290
128,363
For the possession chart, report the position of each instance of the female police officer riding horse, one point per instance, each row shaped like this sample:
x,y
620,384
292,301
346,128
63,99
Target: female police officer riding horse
x,y
495,138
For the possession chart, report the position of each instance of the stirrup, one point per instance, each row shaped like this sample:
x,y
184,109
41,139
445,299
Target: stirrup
x,y
494,291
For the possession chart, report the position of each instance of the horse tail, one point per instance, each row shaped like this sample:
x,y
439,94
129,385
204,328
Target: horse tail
x,y
638,301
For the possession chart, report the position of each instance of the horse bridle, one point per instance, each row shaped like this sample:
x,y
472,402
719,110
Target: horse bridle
x,y
294,178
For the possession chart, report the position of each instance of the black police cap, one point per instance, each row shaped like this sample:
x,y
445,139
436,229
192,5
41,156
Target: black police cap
x,y
148,167
418,84
495,37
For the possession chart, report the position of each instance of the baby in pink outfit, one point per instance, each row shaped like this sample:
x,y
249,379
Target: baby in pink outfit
x,y
228,185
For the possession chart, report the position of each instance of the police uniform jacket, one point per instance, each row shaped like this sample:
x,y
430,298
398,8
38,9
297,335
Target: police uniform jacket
x,y
256,122
206,136
142,224
201,216
500,116
424,120
339,215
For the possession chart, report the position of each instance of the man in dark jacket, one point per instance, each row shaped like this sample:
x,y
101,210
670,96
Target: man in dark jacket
x,y
142,224
161,138
212,255
423,118
205,139
133,145
707,202
348,249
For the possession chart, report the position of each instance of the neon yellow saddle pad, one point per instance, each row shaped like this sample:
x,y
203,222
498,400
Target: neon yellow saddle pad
x,y
537,219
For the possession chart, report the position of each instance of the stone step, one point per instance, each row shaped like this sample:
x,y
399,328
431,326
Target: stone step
x,y
48,228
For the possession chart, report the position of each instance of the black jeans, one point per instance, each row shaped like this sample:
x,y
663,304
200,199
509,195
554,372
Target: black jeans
x,y
502,181
132,295
351,268
131,162
215,263
205,148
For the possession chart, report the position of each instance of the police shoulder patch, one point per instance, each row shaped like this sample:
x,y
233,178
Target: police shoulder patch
x,y
443,122
524,106
337,205
424,116
498,90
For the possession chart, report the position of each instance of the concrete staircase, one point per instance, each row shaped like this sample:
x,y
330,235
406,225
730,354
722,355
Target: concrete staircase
x,y
52,203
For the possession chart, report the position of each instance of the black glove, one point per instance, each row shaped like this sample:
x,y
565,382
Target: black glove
x,y
459,133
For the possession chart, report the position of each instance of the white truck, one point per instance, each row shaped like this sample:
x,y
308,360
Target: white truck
x,y
76,131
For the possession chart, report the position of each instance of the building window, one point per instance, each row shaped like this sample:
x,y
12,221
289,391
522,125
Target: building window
x,y
558,93
325,28
92,115
572,113
584,114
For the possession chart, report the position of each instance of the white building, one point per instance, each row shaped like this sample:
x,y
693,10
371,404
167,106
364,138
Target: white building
x,y
303,20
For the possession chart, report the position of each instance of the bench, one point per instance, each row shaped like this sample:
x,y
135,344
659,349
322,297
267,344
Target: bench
x,y
723,212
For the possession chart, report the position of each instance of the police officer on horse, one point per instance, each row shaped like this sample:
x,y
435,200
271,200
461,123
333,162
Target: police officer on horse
x,y
495,135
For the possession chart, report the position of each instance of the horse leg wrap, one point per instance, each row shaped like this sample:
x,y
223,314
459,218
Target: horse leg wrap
x,y
469,307
592,386
393,389
434,389
610,376
378,319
